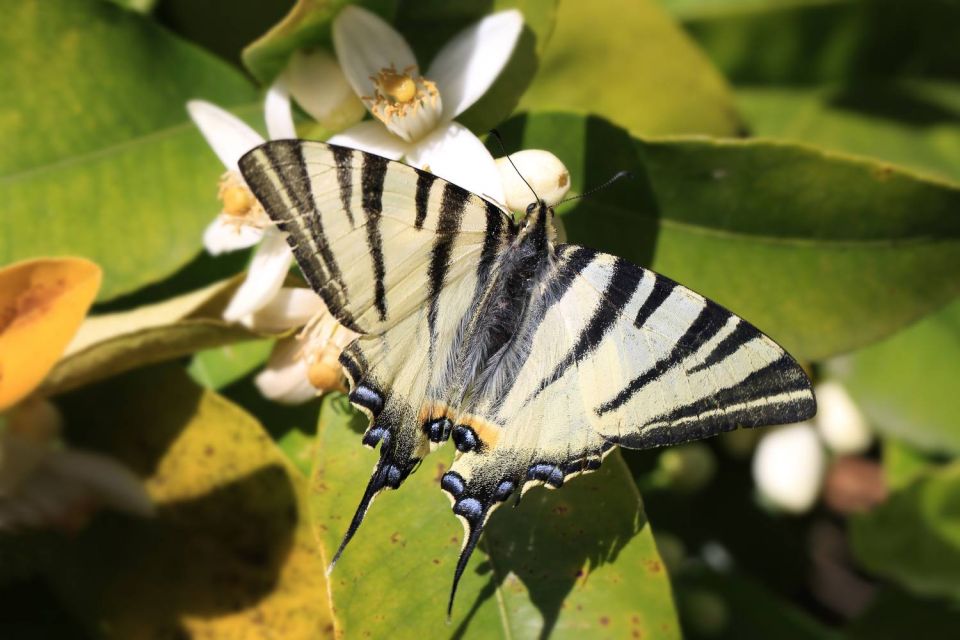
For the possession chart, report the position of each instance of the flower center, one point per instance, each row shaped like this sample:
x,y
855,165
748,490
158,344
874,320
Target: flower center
x,y
324,338
407,103
239,203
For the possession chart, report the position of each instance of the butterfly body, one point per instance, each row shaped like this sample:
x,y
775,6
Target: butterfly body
x,y
535,359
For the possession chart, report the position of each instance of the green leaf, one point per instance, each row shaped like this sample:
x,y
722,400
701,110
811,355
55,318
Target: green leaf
x,y
902,464
814,41
216,368
914,537
230,550
907,384
580,560
100,159
907,123
629,63
824,252
109,344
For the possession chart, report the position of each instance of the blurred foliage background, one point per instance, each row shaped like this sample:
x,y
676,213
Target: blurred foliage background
x,y
796,160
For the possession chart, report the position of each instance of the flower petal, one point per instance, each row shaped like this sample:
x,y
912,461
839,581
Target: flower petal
x,y
365,44
222,236
839,420
229,136
277,112
455,154
373,137
317,83
291,307
266,274
284,379
467,65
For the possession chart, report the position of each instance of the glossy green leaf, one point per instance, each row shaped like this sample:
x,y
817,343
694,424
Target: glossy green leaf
x,y
822,251
230,553
907,384
902,464
99,158
112,343
575,562
910,124
630,63
216,368
813,41
914,537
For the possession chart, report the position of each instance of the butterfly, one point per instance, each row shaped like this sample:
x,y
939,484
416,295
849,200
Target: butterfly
x,y
535,358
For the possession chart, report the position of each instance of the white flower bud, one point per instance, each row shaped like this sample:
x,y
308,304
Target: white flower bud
x,y
788,467
841,424
543,170
317,83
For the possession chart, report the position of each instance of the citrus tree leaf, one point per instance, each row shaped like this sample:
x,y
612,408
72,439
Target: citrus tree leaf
x,y
112,343
914,537
912,124
229,554
907,383
630,63
896,614
814,41
824,252
100,158
580,560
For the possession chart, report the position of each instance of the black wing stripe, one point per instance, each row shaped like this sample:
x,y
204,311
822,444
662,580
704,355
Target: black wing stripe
x,y
372,175
491,243
777,381
286,170
708,322
343,157
451,212
662,288
424,183
623,283
743,333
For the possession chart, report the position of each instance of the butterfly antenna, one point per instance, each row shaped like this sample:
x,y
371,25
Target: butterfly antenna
x,y
475,527
496,136
376,484
618,176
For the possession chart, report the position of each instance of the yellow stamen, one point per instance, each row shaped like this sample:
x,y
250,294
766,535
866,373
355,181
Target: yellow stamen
x,y
237,200
324,372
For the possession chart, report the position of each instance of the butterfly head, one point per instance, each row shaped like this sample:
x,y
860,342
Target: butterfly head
x,y
537,227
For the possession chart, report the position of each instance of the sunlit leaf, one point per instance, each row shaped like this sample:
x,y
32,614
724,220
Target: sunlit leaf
x,y
42,304
230,553
822,251
907,384
112,343
911,124
577,561
100,159
630,63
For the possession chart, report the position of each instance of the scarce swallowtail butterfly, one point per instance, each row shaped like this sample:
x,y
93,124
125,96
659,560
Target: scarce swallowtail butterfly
x,y
535,358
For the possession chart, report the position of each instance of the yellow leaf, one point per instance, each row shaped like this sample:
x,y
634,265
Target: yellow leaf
x,y
42,303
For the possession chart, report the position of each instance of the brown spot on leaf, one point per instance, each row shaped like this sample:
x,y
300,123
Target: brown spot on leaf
x,y
654,566
604,621
561,509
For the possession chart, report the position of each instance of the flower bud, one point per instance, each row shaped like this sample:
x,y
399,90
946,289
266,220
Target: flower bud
x,y
840,422
543,170
788,467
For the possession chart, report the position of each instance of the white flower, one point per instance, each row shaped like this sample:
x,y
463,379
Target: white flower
x,y
304,364
788,467
842,426
541,170
242,222
43,484
414,113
